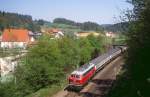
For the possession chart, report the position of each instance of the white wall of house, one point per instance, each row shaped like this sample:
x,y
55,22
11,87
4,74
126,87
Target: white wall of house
x,y
32,39
13,44
110,34
59,34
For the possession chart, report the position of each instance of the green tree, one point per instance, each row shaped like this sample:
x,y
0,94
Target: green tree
x,y
69,52
139,45
137,73
97,43
41,67
86,50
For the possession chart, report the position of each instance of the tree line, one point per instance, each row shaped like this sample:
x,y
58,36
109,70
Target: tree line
x,y
14,20
87,26
121,27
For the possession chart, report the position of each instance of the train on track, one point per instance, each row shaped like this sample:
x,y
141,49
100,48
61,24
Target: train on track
x,y
81,76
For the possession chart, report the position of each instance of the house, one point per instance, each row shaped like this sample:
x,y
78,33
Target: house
x,y
15,38
110,34
85,34
55,33
34,35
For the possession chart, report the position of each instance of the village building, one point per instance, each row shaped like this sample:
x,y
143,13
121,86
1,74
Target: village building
x,y
110,34
34,35
54,33
16,38
85,34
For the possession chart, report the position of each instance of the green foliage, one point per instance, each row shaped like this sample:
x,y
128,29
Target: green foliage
x,y
98,43
86,50
63,21
139,47
12,89
45,56
122,27
9,52
87,26
69,52
123,87
135,83
14,20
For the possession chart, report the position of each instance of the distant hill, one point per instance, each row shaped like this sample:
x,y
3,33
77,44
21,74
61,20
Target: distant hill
x,y
87,26
15,20
91,26
119,27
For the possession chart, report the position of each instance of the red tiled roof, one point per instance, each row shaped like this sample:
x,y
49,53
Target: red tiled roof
x,y
15,35
54,30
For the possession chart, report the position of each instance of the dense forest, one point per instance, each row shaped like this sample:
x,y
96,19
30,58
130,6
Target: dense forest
x,y
118,27
14,20
135,81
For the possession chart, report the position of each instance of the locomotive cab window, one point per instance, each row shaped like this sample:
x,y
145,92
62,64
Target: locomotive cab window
x,y
77,76
72,75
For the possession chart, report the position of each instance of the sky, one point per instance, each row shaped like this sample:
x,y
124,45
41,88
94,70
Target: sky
x,y
100,11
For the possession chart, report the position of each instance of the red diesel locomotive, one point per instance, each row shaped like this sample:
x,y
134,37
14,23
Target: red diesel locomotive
x,y
80,76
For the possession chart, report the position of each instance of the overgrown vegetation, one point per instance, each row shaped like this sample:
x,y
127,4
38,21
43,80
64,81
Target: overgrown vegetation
x,y
135,81
9,52
47,64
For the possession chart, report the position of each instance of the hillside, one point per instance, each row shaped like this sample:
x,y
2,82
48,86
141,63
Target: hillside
x,y
14,20
118,27
86,26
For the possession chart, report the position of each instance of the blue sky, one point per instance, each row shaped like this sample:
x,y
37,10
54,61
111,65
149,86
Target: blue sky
x,y
100,11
